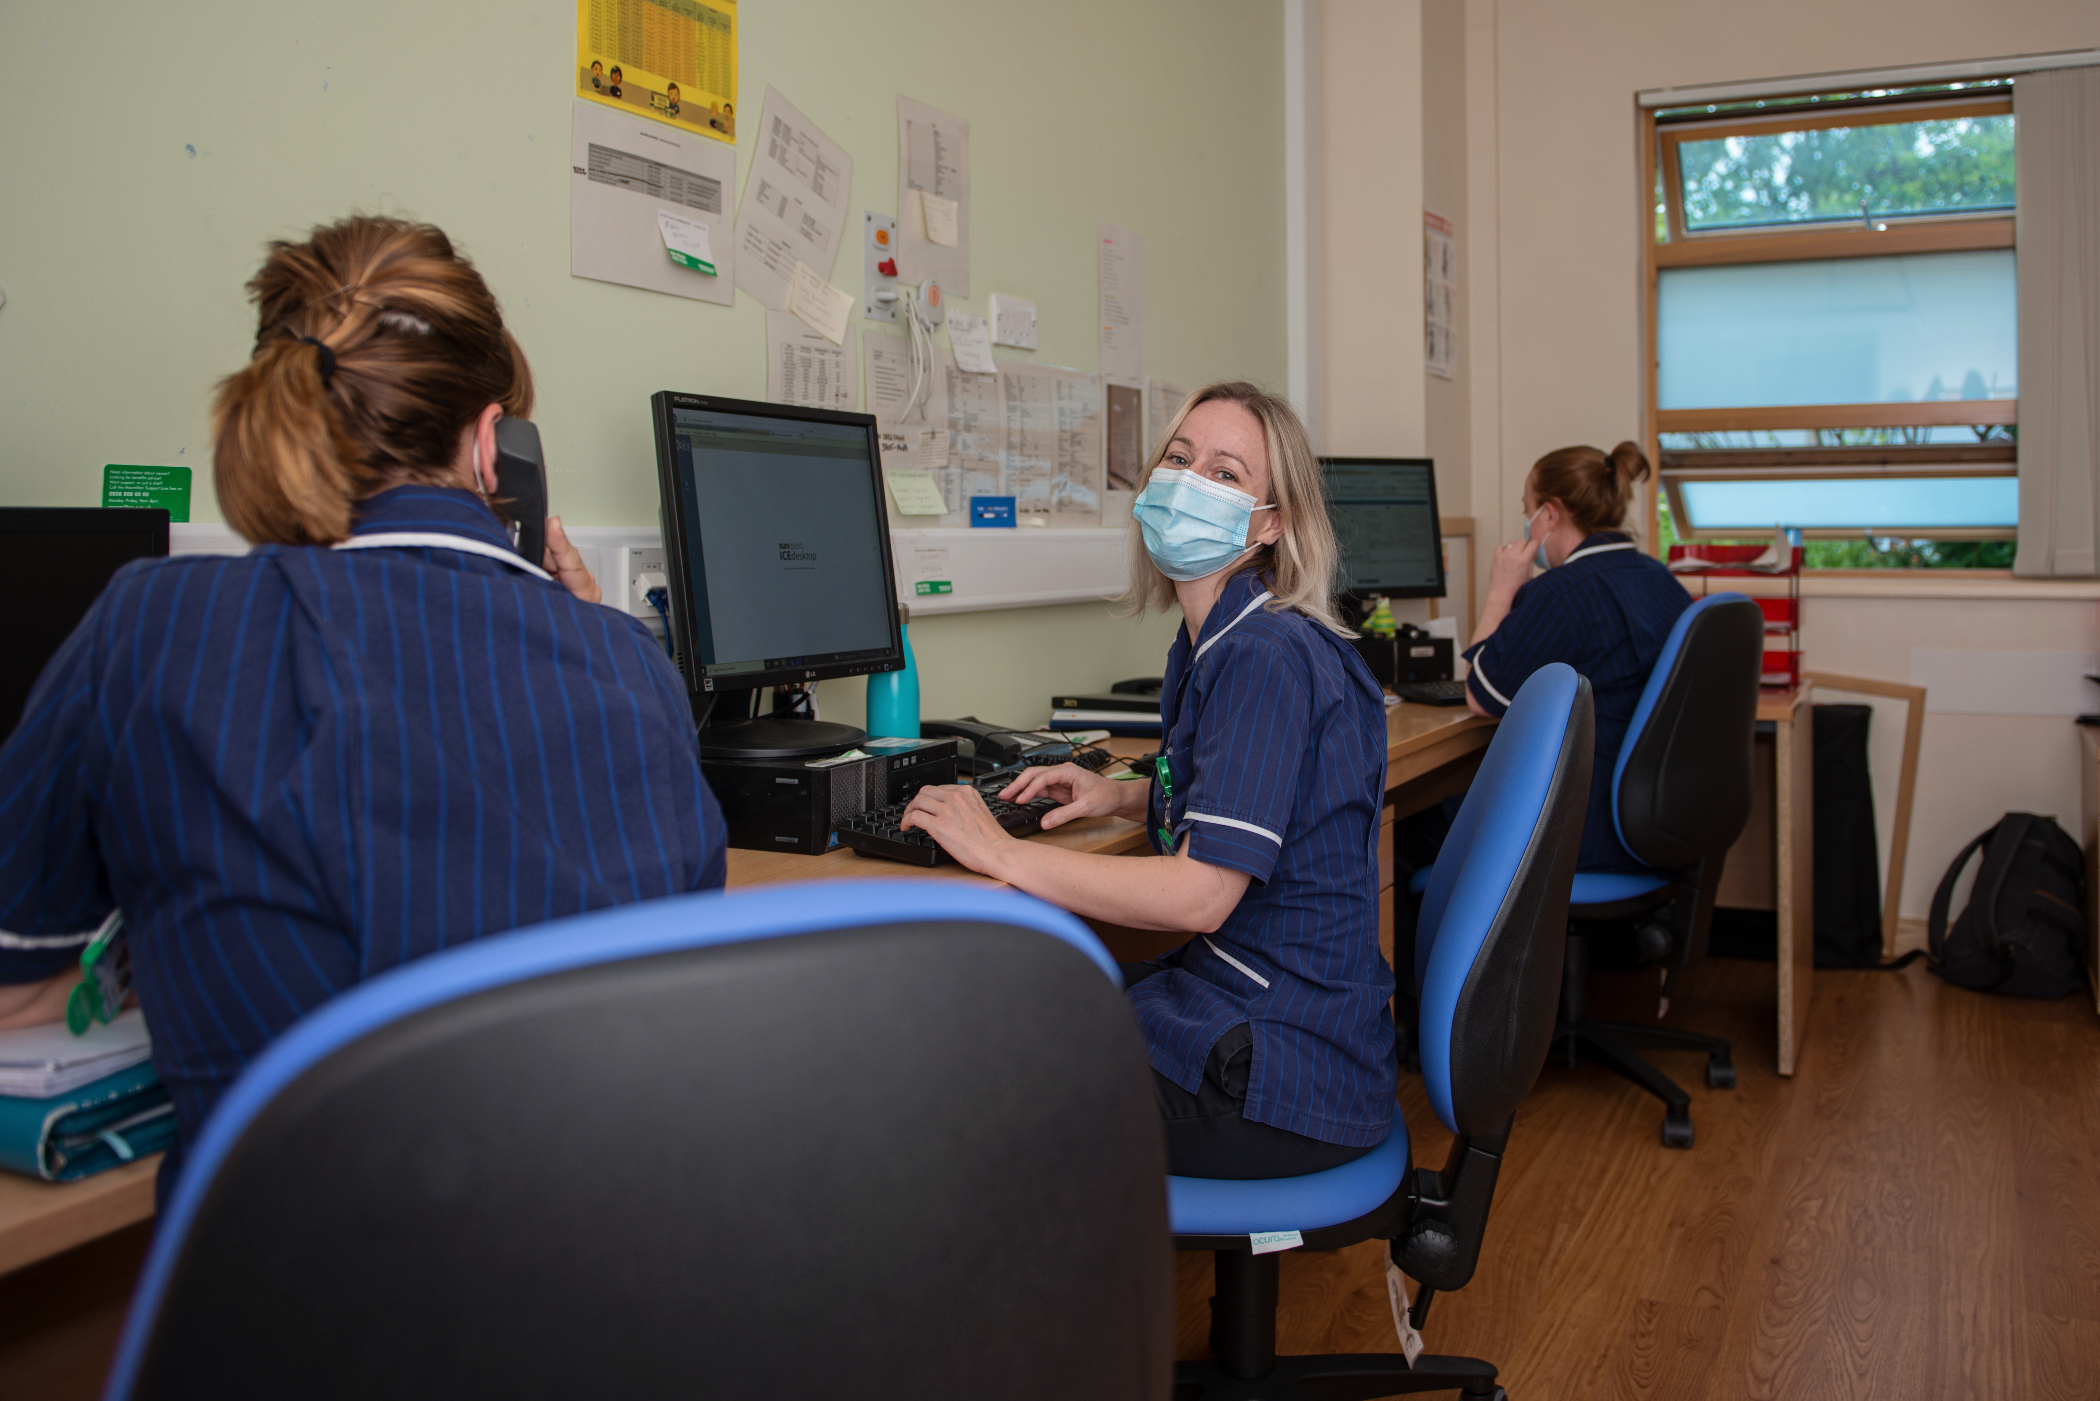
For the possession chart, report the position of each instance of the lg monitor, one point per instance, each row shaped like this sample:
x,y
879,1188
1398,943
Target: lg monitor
x,y
778,546
54,563
1384,514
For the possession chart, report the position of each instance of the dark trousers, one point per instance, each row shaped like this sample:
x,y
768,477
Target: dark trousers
x,y
1208,1133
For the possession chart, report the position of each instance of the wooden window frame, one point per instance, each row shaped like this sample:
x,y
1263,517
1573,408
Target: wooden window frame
x,y
1932,233
1911,233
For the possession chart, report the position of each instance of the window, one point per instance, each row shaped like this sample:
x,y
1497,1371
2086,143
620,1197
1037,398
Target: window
x,y
1832,316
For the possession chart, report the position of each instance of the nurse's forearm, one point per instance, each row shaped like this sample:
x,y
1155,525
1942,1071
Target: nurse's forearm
x,y
1175,893
1492,611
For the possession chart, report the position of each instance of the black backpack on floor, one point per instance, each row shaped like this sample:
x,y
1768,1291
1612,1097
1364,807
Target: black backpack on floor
x,y
2023,933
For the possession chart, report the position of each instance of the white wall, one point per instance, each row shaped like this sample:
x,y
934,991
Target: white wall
x,y
123,254
1371,181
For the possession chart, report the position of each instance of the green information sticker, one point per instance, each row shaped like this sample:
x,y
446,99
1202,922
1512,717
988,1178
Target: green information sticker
x,y
933,586
165,487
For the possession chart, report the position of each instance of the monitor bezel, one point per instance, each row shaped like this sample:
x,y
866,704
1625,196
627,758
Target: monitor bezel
x,y
90,520
1441,589
678,550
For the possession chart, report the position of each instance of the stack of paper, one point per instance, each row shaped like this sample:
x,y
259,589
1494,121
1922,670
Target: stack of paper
x,y
37,1062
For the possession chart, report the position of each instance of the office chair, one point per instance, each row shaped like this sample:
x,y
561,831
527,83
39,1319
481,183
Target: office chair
x,y
1487,964
1680,798
889,1139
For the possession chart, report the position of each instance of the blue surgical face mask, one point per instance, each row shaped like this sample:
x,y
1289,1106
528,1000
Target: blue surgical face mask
x,y
1193,526
1540,558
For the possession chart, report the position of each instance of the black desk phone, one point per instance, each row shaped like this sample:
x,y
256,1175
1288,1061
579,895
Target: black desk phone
x,y
521,485
983,749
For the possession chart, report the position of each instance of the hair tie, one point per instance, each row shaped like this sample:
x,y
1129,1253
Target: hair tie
x,y
327,356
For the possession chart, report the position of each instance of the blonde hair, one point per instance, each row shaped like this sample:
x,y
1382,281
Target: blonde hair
x,y
376,345
1304,563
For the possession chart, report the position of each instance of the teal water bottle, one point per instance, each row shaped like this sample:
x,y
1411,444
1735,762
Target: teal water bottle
x,y
893,696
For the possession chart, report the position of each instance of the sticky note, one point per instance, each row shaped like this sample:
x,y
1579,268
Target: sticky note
x,y
686,241
165,487
916,494
942,217
823,307
971,336
930,453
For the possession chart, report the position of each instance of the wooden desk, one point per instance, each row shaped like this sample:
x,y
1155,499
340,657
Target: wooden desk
x,y
1793,844
42,1219
1430,751
2089,838
1772,867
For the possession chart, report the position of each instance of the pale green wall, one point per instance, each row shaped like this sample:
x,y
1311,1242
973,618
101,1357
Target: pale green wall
x,y
123,256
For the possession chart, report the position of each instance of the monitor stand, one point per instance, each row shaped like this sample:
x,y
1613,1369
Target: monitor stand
x,y
778,737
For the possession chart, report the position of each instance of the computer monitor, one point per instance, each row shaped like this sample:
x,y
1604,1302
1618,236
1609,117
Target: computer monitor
x,y
1384,514
54,564
778,545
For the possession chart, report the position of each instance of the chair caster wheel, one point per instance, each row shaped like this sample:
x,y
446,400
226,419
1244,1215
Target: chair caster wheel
x,y
1720,1074
1677,1129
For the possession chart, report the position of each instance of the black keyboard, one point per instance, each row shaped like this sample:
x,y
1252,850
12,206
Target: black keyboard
x,y
876,833
1432,692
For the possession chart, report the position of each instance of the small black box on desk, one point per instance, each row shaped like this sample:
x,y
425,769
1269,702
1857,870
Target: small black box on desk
x,y
1396,661
796,804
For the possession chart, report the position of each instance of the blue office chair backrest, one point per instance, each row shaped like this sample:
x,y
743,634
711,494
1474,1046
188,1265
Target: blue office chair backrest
x,y
1492,932
876,1138
1681,788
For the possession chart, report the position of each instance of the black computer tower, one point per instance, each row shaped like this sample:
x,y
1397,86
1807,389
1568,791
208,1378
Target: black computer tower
x,y
795,805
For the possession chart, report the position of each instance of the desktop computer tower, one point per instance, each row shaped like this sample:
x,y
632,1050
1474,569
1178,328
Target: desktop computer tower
x,y
796,804
1400,661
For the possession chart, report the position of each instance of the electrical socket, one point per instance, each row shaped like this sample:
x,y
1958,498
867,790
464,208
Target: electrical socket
x,y
636,561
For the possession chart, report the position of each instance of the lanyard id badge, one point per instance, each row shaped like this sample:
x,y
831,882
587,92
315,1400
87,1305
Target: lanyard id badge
x,y
105,977
1165,773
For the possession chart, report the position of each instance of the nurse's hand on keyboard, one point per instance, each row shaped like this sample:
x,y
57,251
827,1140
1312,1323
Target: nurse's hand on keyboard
x,y
1078,793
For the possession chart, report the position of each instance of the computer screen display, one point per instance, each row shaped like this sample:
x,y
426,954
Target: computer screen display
x,y
778,543
54,563
1385,519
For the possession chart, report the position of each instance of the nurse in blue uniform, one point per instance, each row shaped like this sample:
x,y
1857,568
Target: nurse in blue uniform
x,y
1602,606
377,735
1269,1031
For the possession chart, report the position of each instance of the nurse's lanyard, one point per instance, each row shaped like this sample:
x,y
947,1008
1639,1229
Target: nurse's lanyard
x,y
1165,774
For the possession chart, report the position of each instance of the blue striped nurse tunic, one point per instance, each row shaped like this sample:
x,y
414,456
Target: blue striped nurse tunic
x,y
300,767
1274,735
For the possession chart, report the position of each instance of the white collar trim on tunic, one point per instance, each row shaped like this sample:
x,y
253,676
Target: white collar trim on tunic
x,y
438,540
1596,550
1263,597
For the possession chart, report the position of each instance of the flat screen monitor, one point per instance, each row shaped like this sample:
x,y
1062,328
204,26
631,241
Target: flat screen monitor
x,y
778,544
54,563
1385,519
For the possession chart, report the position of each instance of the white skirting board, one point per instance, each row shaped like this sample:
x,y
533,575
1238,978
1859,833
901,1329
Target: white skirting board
x,y
1012,568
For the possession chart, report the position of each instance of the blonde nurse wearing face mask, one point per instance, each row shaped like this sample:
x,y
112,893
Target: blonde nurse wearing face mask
x,y
1270,1035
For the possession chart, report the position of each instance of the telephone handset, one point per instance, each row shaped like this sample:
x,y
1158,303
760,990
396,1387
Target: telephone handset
x,y
521,484
986,748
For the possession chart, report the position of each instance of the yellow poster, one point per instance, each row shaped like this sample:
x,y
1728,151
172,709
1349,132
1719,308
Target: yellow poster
x,y
674,60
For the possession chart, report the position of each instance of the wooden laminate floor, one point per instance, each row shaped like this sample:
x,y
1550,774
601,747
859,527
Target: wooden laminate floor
x,y
1916,1214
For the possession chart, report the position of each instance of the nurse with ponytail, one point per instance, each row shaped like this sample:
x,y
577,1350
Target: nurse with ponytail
x,y
376,735
1269,1030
